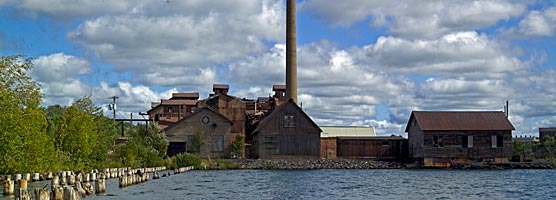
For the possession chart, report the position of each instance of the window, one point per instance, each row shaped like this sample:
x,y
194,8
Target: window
x,y
497,141
271,142
385,143
217,143
289,121
467,141
437,141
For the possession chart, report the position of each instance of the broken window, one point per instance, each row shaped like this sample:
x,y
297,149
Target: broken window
x,y
437,141
289,121
497,141
467,141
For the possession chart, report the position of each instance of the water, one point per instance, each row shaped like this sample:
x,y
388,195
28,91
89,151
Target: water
x,y
342,184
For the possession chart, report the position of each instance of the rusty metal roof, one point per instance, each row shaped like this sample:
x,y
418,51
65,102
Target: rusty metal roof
x,y
220,86
278,87
185,95
178,102
461,120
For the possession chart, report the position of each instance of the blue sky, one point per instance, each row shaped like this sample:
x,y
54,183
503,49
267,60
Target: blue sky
x,y
360,62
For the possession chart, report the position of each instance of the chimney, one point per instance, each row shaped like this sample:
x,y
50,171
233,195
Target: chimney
x,y
291,54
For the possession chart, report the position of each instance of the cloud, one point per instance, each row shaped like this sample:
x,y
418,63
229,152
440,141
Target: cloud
x,y
58,75
455,54
68,9
130,98
162,45
539,23
417,19
333,86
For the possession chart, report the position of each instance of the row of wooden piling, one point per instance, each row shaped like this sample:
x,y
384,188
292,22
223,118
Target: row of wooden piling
x,y
69,185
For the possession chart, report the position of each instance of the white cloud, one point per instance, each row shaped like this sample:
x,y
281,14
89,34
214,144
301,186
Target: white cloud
x,y
539,23
58,75
455,54
417,19
130,98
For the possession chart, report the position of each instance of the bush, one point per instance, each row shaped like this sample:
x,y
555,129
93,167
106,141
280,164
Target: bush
x,y
186,160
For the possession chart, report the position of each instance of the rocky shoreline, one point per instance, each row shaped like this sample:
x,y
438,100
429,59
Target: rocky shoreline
x,y
377,164
319,164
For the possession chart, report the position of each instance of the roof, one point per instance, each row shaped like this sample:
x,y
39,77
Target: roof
x,y
263,99
172,102
274,114
178,102
220,86
195,113
278,87
461,121
194,95
547,129
393,137
347,131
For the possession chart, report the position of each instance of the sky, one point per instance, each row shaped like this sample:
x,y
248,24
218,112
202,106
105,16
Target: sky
x,y
360,62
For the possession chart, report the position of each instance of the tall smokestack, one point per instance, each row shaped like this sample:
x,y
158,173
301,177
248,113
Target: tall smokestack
x,y
291,52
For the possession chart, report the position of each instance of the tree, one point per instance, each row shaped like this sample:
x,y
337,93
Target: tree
x,y
24,144
238,146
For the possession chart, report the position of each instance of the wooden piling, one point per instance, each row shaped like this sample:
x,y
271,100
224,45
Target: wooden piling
x,y
71,179
57,193
17,177
42,194
70,194
123,181
9,187
100,186
36,177
89,189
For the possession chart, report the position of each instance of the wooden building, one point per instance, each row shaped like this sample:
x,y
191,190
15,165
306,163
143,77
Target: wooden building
x,y
377,147
439,138
287,132
543,132
213,128
169,111
229,106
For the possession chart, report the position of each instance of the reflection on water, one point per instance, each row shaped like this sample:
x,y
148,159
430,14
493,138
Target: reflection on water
x,y
342,184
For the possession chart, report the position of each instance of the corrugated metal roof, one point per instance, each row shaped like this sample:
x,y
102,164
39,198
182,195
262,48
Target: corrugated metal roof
x,y
179,102
461,120
347,131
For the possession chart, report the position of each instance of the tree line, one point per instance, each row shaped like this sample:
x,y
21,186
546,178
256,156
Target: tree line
x,y
76,137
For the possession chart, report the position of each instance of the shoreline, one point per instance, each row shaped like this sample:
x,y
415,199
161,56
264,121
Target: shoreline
x,y
379,164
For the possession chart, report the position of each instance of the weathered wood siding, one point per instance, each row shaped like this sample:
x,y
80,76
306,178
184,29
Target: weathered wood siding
x,y
278,138
218,127
415,140
482,145
372,148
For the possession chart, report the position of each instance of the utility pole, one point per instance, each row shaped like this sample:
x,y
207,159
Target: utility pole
x,y
113,106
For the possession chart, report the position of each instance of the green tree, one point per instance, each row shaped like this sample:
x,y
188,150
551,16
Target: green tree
x,y
24,144
146,147
238,146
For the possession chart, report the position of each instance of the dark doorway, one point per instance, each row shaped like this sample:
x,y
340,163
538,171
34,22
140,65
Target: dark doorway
x,y
176,148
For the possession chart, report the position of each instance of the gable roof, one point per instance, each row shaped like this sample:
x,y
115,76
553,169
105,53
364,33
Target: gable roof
x,y
460,121
274,114
195,113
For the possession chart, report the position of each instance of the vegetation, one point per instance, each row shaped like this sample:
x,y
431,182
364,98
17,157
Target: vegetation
x,y
187,159
238,146
78,137
545,149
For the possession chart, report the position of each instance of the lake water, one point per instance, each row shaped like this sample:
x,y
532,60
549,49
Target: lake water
x,y
342,184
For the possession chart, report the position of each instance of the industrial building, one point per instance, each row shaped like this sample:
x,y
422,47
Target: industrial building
x,y
439,138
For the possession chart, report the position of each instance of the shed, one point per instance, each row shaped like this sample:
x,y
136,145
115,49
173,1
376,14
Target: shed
x,y
287,132
439,138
